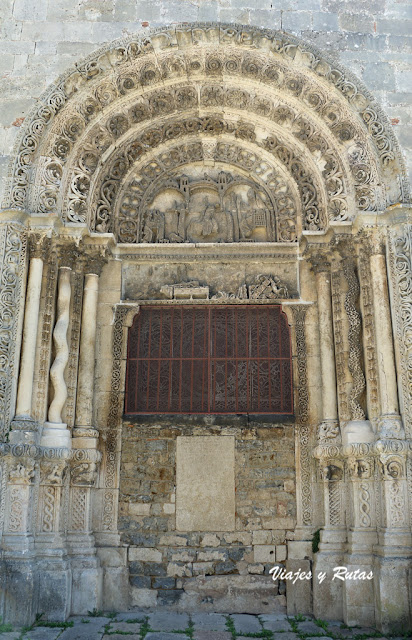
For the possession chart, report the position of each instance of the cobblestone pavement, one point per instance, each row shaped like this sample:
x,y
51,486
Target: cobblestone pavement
x,y
196,626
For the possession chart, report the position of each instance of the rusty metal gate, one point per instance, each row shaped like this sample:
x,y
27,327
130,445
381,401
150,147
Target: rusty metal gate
x,y
232,359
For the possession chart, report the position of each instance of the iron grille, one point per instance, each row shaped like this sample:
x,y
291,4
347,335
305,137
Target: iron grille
x,y
196,359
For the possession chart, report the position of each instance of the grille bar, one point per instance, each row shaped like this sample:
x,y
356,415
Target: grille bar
x,y
227,359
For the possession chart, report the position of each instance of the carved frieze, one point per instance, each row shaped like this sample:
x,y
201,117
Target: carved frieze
x,y
262,287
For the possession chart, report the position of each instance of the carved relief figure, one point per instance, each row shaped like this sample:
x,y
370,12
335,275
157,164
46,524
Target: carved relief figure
x,y
205,209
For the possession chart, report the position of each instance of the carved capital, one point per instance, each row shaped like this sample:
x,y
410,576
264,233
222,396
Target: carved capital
x,y
328,431
53,472
22,472
319,257
39,246
371,242
360,468
392,467
68,254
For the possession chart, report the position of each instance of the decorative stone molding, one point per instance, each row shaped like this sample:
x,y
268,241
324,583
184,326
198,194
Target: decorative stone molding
x,y
302,413
13,243
108,85
263,287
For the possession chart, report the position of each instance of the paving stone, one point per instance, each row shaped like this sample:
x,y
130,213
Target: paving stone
x,y
288,635
311,627
92,630
39,633
159,636
168,621
335,630
275,623
130,627
10,635
119,636
245,623
133,616
209,622
212,635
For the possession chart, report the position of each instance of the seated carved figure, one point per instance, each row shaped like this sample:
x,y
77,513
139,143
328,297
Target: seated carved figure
x,y
205,225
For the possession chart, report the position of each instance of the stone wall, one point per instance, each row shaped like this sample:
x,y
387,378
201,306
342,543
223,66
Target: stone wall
x,y
42,38
168,567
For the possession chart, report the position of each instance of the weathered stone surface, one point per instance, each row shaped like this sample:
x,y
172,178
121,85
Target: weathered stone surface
x,y
209,622
168,621
246,624
205,484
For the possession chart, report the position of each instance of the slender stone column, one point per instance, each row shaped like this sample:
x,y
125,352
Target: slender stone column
x,y
329,426
23,421
390,424
84,405
55,433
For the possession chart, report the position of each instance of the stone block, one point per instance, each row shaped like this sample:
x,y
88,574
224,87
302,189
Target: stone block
x,y
154,569
264,553
112,556
125,627
299,595
205,483
169,508
141,582
299,549
210,555
163,583
178,570
256,568
144,598
172,541
275,623
207,635
246,624
116,589
163,636
82,631
38,633
262,537
310,628
281,552
379,76
203,568
144,555
210,540
139,508
204,622
168,621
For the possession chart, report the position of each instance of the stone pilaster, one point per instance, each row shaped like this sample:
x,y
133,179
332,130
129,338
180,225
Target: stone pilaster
x,y
359,605
23,427
54,581
17,540
86,571
390,423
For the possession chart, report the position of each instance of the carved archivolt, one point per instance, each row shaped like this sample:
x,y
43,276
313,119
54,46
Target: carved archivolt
x,y
278,95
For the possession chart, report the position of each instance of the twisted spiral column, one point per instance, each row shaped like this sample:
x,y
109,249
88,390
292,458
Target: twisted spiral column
x,y
55,432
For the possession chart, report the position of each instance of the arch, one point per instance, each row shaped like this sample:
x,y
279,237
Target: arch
x,y
220,92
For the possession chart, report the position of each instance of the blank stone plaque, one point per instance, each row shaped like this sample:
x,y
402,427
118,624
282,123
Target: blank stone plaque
x,y
205,483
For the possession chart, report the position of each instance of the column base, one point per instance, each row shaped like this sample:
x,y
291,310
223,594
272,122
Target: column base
x,y
328,594
18,587
391,426
357,431
87,585
54,588
24,430
392,582
55,435
359,602
116,588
